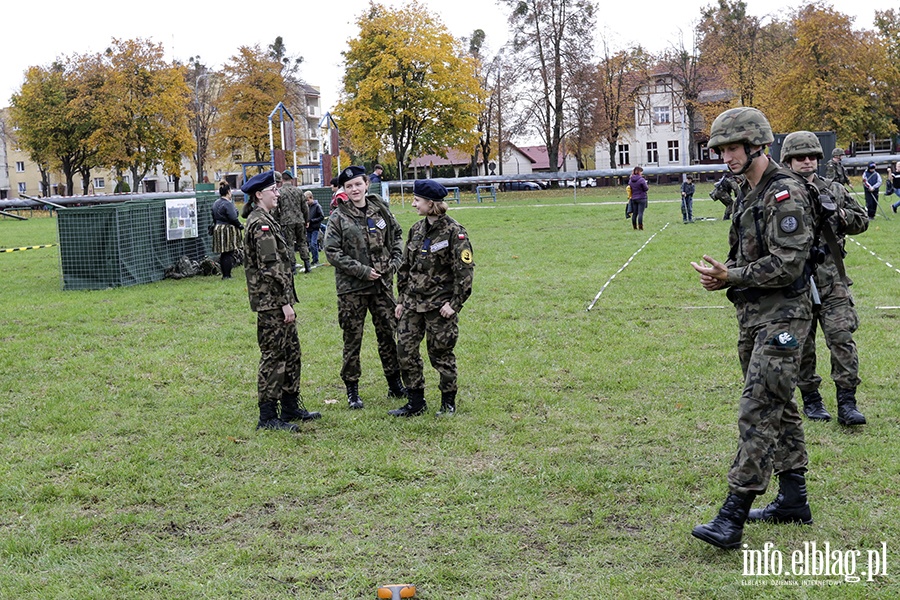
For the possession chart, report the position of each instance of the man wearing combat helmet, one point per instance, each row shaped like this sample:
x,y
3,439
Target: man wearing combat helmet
x,y
767,279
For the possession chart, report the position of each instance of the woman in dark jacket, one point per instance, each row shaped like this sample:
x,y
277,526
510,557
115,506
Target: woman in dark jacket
x,y
639,187
226,230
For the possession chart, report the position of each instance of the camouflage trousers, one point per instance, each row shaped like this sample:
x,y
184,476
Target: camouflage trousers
x,y
769,424
280,359
839,321
295,236
352,310
441,335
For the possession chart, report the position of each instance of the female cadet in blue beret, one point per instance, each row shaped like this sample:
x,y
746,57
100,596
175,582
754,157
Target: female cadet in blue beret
x,y
269,266
363,242
434,280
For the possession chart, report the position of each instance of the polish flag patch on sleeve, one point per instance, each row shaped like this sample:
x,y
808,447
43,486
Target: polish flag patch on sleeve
x,y
264,228
462,236
782,195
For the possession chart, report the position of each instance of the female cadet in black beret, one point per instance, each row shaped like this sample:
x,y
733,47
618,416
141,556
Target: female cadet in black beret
x,y
434,280
269,266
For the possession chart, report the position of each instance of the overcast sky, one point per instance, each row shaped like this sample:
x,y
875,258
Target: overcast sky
x,y
315,29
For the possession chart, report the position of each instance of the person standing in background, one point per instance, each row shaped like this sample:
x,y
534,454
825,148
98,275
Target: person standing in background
x,y
316,216
639,188
871,183
226,229
292,214
687,200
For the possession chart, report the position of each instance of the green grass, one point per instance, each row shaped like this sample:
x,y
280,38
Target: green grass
x,y
586,447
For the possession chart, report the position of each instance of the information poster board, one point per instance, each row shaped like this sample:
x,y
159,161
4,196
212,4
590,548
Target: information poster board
x,y
181,218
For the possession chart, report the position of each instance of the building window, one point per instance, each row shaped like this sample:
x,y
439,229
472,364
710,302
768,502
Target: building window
x,y
673,151
20,166
662,115
703,152
652,153
22,187
99,183
624,158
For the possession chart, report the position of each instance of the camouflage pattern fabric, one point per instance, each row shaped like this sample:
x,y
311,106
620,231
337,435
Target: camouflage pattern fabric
x,y
835,171
723,191
292,207
268,264
441,335
295,236
836,315
352,310
280,357
359,240
770,239
438,266
770,428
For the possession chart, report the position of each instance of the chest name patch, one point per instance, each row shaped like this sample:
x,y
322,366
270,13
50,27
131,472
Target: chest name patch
x,y
439,245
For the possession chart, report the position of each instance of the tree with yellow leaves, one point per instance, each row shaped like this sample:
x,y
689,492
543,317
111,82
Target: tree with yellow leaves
x,y
409,87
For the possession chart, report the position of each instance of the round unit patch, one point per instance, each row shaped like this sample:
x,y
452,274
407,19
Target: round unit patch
x,y
466,256
789,224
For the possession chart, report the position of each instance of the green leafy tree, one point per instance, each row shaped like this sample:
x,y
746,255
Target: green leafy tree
x,y
619,73
553,40
408,87
253,87
143,113
53,112
204,105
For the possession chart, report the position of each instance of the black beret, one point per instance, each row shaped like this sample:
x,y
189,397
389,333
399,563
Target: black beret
x,y
351,172
430,190
258,182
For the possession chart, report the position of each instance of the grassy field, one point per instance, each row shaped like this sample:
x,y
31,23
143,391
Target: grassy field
x,y
586,447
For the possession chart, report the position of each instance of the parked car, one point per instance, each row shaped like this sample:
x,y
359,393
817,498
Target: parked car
x,y
519,186
587,182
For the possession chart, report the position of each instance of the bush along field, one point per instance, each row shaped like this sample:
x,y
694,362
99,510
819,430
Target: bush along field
x,y
586,446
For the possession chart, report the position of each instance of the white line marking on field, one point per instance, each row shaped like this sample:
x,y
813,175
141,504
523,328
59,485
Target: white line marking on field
x,y
887,307
889,265
700,307
622,268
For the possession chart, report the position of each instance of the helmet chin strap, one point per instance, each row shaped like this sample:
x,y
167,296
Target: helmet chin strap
x,y
750,158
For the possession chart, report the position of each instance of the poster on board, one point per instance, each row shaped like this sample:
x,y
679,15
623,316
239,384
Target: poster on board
x,y
181,218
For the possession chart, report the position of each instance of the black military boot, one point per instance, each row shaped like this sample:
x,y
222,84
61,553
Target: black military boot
x,y
726,530
448,404
847,412
306,266
293,409
395,386
268,418
789,506
415,407
353,398
813,407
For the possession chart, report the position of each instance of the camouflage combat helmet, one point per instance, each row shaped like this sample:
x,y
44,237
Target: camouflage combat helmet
x,y
837,152
800,143
743,125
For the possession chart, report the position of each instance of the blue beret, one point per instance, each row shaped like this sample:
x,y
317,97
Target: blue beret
x,y
258,182
430,190
351,172
287,174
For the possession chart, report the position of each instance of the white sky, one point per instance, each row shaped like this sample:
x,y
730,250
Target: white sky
x,y
317,29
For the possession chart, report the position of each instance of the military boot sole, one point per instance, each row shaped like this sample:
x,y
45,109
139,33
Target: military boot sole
x,y
407,412
277,425
781,517
852,421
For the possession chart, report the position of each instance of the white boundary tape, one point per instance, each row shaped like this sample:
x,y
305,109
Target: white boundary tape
x,y
889,265
622,268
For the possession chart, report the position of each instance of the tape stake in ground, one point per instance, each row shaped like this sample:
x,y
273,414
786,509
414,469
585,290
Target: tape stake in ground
x,y
27,248
622,268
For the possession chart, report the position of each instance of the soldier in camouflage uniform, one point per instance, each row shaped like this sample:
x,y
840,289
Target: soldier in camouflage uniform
x,y
767,279
434,282
723,191
364,244
292,214
801,152
268,265
834,170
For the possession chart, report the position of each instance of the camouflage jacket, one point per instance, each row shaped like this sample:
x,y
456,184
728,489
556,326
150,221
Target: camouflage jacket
x,y
851,218
437,266
834,171
358,240
292,208
770,239
268,264
724,188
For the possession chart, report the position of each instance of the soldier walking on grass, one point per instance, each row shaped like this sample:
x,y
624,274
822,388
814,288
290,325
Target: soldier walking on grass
x,y
801,153
767,279
434,281
292,213
269,266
